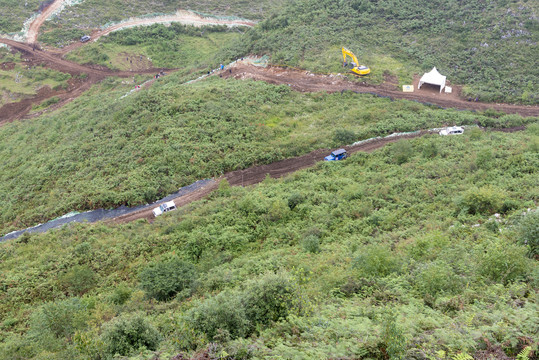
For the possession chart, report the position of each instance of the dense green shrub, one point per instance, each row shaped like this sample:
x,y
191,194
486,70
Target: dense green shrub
x,y
121,294
269,298
402,151
221,313
294,200
376,261
485,200
430,150
343,137
127,334
504,262
163,280
311,244
436,278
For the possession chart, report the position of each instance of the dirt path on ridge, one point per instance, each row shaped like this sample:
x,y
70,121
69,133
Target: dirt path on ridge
x,y
33,30
257,174
306,81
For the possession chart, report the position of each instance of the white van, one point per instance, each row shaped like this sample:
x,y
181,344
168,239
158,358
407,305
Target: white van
x,y
164,207
454,130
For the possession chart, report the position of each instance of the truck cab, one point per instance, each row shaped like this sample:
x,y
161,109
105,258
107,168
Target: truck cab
x,y
336,155
164,207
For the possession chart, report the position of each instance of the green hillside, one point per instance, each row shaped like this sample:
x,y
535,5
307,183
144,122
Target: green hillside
x,y
488,46
377,257
105,150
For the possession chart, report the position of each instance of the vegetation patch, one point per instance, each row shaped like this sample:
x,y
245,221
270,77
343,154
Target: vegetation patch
x,y
18,80
398,269
18,12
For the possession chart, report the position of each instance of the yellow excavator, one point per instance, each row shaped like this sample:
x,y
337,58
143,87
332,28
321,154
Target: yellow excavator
x,y
356,68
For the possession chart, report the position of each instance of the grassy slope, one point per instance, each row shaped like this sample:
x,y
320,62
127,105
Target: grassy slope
x,y
14,13
102,151
487,46
173,47
381,239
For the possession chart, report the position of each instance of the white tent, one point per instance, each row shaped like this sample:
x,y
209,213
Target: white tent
x,y
433,77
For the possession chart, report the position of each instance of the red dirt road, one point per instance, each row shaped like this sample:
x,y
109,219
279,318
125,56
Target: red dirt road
x,y
305,81
257,174
18,110
33,30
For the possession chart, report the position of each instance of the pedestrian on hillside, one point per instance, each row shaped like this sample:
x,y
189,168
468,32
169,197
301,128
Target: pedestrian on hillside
x,y
222,66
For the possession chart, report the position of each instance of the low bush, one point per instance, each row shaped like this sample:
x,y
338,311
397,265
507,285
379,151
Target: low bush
x,y
311,244
79,280
343,137
221,313
402,151
122,336
436,278
504,262
268,299
376,261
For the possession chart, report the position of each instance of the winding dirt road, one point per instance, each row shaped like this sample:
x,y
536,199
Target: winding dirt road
x,y
306,81
33,29
182,16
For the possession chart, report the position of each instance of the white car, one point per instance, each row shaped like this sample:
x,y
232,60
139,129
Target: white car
x,y
454,130
164,207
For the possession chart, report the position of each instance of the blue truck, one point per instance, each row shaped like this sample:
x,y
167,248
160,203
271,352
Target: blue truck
x,y
339,154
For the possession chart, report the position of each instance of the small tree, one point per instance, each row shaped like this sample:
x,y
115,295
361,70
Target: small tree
x,y
529,232
60,319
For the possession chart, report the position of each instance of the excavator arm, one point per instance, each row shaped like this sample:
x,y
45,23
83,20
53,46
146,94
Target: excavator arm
x,y
345,52
357,69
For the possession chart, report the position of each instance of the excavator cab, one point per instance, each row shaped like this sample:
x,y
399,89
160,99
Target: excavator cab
x,y
357,69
